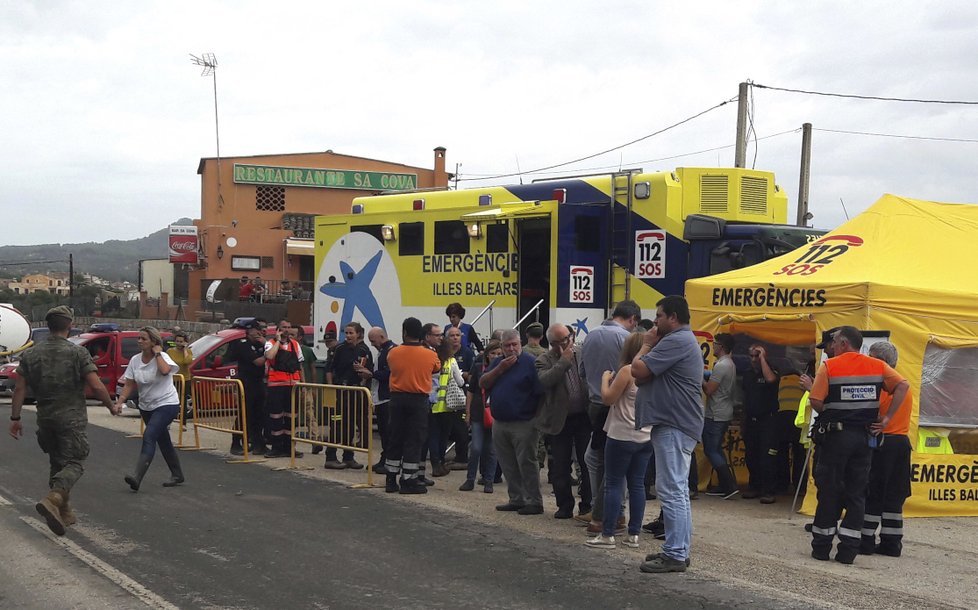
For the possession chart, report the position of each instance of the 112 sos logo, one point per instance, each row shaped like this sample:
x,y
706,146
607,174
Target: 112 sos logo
x,y
581,284
821,253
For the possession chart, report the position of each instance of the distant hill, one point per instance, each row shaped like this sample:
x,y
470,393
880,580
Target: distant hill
x,y
113,260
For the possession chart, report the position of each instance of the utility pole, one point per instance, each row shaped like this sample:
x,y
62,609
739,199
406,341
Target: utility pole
x,y
740,156
805,175
71,280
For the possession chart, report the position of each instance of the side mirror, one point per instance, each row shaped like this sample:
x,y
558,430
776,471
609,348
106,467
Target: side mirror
x,y
218,361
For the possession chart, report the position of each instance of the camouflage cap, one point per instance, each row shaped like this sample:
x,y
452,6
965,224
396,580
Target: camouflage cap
x,y
61,311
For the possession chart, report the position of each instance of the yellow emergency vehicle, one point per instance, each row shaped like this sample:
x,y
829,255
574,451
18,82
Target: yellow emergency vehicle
x,y
562,250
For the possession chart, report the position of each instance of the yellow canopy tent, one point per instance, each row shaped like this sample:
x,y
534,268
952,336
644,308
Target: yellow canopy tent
x,y
901,266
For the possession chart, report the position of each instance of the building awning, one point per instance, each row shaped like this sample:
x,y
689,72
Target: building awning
x,y
300,247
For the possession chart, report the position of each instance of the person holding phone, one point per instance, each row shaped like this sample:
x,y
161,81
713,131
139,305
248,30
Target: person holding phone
x,y
151,373
284,358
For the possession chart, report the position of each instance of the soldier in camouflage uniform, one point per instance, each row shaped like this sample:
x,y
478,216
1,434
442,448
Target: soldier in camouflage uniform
x,y
58,372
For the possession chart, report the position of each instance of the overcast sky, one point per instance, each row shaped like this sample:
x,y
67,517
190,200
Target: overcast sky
x,y
104,119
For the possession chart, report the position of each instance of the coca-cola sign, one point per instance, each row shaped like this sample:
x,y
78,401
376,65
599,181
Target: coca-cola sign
x,y
183,244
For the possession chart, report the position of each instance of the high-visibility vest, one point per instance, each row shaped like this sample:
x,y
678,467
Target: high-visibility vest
x,y
855,383
802,419
446,373
933,441
280,378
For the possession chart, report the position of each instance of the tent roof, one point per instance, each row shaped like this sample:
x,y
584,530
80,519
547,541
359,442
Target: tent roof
x,y
900,253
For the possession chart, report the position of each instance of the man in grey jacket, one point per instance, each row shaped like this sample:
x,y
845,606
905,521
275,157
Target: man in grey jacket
x,y
563,417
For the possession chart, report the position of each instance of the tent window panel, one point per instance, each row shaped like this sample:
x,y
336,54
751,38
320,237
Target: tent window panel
x,y
948,384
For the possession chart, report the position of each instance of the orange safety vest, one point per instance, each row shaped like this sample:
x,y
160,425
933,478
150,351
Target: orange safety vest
x,y
855,384
279,378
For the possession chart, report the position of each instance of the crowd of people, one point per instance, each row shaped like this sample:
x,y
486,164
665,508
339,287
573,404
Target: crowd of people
x,y
606,415
627,406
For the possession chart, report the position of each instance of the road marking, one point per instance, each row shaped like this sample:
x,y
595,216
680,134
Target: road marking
x,y
5,502
137,590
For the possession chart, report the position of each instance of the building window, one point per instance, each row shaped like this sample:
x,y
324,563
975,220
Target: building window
x,y
451,237
411,240
270,198
267,262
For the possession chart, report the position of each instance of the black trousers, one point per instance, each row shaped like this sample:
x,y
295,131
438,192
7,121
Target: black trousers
x,y
571,440
382,413
409,433
278,417
841,475
459,434
789,452
760,452
889,488
350,418
254,394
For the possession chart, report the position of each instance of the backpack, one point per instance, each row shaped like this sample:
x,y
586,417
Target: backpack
x,y
287,361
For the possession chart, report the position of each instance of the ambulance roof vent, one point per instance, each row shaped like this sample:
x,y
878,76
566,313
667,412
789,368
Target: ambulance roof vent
x,y
713,194
753,195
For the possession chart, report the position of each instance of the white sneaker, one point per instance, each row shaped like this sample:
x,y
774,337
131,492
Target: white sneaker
x,y
601,542
631,541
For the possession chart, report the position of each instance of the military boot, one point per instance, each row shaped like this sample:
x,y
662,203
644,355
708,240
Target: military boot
x,y
142,465
50,509
67,515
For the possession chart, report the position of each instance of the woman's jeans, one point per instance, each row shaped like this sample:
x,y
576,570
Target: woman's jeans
x,y
157,431
481,452
624,461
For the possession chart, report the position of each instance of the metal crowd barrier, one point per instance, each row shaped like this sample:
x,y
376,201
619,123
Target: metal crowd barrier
x,y
335,416
219,405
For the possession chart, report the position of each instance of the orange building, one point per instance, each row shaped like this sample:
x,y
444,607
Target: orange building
x,y
257,215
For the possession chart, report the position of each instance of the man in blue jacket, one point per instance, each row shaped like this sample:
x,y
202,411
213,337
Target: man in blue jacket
x,y
514,391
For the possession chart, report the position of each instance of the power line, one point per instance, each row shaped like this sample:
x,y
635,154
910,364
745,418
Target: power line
x,y
865,97
598,154
635,163
893,135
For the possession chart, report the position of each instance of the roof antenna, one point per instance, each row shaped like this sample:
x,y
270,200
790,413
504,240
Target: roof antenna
x,y
518,170
844,211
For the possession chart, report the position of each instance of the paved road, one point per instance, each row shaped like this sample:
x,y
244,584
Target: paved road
x,y
240,536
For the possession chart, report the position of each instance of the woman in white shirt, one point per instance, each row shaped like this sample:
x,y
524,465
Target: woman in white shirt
x,y
151,372
626,452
